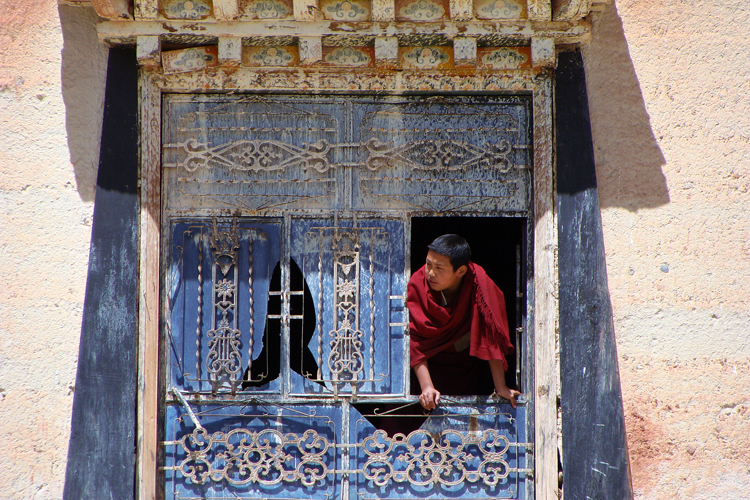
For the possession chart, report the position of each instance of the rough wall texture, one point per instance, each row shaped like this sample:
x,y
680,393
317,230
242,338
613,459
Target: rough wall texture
x,y
669,92
51,88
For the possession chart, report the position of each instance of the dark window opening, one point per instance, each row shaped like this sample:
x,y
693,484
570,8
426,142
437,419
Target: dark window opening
x,y
498,245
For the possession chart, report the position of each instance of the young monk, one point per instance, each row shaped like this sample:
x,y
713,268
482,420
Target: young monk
x,y
456,318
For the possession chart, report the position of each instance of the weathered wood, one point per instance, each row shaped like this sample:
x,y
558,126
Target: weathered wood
x,y
546,369
305,10
462,10
595,457
571,10
310,49
383,10
146,10
114,9
148,50
517,31
464,51
539,10
543,52
226,10
148,313
230,51
101,462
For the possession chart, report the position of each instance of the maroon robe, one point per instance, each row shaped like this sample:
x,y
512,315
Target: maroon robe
x,y
478,310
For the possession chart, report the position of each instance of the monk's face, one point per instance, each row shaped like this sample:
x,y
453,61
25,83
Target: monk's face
x,y
440,273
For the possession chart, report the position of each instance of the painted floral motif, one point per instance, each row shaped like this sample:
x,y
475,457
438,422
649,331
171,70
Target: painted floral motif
x,y
345,11
271,56
179,61
500,9
426,57
348,56
187,9
269,9
422,10
505,58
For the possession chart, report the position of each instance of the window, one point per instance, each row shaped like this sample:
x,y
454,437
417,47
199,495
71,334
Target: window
x,y
292,224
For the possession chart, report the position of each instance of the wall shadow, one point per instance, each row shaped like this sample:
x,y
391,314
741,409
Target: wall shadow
x,y
628,158
84,70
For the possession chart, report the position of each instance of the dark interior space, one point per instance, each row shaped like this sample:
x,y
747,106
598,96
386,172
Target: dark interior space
x,y
498,245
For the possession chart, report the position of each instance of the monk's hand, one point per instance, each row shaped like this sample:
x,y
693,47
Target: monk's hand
x,y
429,398
509,394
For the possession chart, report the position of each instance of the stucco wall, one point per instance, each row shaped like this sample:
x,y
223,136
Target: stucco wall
x,y
51,87
669,85
669,93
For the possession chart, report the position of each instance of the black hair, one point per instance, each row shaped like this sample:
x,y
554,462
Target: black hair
x,y
454,247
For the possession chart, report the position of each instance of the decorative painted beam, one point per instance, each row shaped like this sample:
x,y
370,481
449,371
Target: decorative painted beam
x,y
462,10
230,51
114,9
305,10
464,52
571,10
539,10
383,10
146,10
226,10
148,50
310,49
518,31
386,51
542,52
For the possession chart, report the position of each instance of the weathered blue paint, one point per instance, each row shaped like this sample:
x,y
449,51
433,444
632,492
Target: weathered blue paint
x,y
595,457
101,454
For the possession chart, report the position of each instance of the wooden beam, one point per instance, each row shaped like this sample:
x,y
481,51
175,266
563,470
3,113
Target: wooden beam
x,y
226,10
148,312
146,10
539,10
230,51
148,50
546,366
383,10
519,31
114,9
571,10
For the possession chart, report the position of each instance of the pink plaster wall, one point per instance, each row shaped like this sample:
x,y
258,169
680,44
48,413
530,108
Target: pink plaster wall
x,y
669,93
49,57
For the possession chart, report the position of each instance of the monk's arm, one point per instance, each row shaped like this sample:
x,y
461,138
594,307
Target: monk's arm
x,y
498,377
429,397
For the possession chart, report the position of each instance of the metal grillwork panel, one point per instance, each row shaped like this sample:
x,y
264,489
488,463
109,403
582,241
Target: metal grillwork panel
x,y
269,451
273,154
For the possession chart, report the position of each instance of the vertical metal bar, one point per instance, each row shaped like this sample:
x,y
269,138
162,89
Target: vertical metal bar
x,y
284,264
372,305
320,304
251,301
347,450
200,311
405,313
518,328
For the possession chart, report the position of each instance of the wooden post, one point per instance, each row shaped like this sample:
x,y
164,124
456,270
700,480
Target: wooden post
x,y
546,369
383,10
148,313
230,51
146,10
462,10
539,10
226,10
